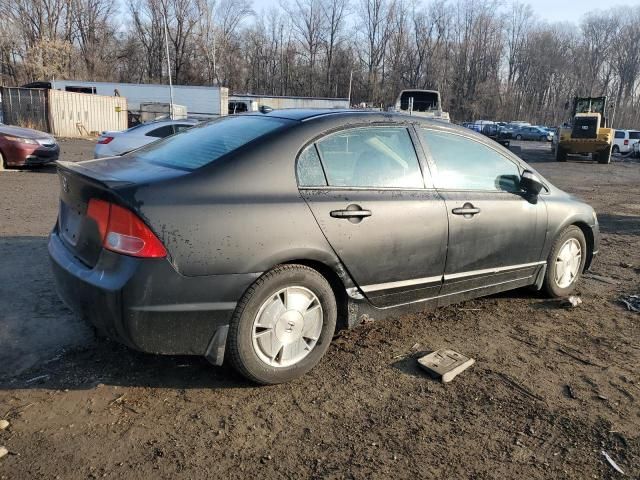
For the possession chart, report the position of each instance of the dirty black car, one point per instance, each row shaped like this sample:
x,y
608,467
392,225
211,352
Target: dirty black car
x,y
252,237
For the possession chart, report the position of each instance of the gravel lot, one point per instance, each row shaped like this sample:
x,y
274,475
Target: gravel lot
x,y
552,387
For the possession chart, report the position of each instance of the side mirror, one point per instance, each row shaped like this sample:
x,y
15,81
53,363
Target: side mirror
x,y
530,183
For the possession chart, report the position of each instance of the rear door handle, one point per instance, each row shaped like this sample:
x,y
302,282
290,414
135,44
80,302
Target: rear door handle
x,y
354,213
468,210
350,213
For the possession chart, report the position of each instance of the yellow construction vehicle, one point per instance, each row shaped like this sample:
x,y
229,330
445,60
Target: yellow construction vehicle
x,y
588,133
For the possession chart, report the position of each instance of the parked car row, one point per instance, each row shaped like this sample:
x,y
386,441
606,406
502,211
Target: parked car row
x,y
512,130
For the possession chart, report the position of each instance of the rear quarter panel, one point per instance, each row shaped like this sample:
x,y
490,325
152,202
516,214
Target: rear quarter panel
x,y
240,214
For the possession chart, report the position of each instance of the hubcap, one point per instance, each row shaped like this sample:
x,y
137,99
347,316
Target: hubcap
x,y
568,263
287,326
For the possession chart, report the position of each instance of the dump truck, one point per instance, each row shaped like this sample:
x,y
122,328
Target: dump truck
x,y
588,131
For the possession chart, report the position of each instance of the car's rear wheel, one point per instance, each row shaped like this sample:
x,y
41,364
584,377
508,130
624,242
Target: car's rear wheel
x,y
615,149
518,137
565,262
283,325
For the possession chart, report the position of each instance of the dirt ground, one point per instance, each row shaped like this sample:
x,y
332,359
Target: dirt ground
x,y
551,390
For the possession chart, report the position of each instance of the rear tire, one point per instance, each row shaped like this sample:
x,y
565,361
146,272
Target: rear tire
x,y
518,137
615,150
273,337
563,268
561,154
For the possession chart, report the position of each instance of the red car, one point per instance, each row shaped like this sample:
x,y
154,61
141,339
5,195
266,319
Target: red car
x,y
24,147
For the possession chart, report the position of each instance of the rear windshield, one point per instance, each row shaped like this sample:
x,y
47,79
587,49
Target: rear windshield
x,y
204,143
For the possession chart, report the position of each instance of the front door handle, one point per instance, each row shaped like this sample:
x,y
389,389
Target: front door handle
x,y
468,210
353,213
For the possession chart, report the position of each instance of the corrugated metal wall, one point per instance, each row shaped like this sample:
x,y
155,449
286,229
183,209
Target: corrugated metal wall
x,y
25,107
205,101
82,115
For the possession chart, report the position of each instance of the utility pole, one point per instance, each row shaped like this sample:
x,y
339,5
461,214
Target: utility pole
x,y
350,81
166,44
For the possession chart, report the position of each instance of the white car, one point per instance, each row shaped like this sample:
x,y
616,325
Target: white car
x,y
112,144
624,141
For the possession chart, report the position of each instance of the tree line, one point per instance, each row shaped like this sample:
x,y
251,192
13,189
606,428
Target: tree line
x,y
488,58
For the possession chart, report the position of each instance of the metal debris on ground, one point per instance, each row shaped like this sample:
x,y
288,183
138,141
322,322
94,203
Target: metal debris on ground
x,y
612,463
632,302
445,364
602,278
574,301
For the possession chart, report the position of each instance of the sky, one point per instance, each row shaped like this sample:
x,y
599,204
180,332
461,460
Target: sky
x,y
550,10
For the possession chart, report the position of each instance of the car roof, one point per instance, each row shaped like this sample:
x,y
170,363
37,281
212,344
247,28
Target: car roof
x,y
341,114
302,114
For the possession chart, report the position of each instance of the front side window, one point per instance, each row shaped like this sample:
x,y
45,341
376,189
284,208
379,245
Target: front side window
x,y
634,135
206,142
464,164
377,157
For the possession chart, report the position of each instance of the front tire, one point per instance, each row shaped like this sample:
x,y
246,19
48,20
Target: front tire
x,y
565,262
283,325
518,137
604,156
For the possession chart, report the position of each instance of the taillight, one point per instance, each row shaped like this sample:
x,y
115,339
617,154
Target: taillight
x,y
626,142
122,231
105,140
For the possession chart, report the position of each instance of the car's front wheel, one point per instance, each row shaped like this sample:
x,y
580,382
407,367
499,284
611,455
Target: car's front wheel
x,y
283,325
518,137
565,262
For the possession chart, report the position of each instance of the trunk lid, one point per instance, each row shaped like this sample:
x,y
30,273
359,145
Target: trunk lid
x,y
101,179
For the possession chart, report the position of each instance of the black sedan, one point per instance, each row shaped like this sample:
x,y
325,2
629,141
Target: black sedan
x,y
252,237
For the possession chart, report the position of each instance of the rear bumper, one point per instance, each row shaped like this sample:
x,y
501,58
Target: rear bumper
x,y
144,303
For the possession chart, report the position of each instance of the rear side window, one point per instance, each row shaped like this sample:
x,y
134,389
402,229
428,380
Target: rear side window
x,y
619,134
464,164
634,135
206,142
370,157
310,173
161,132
